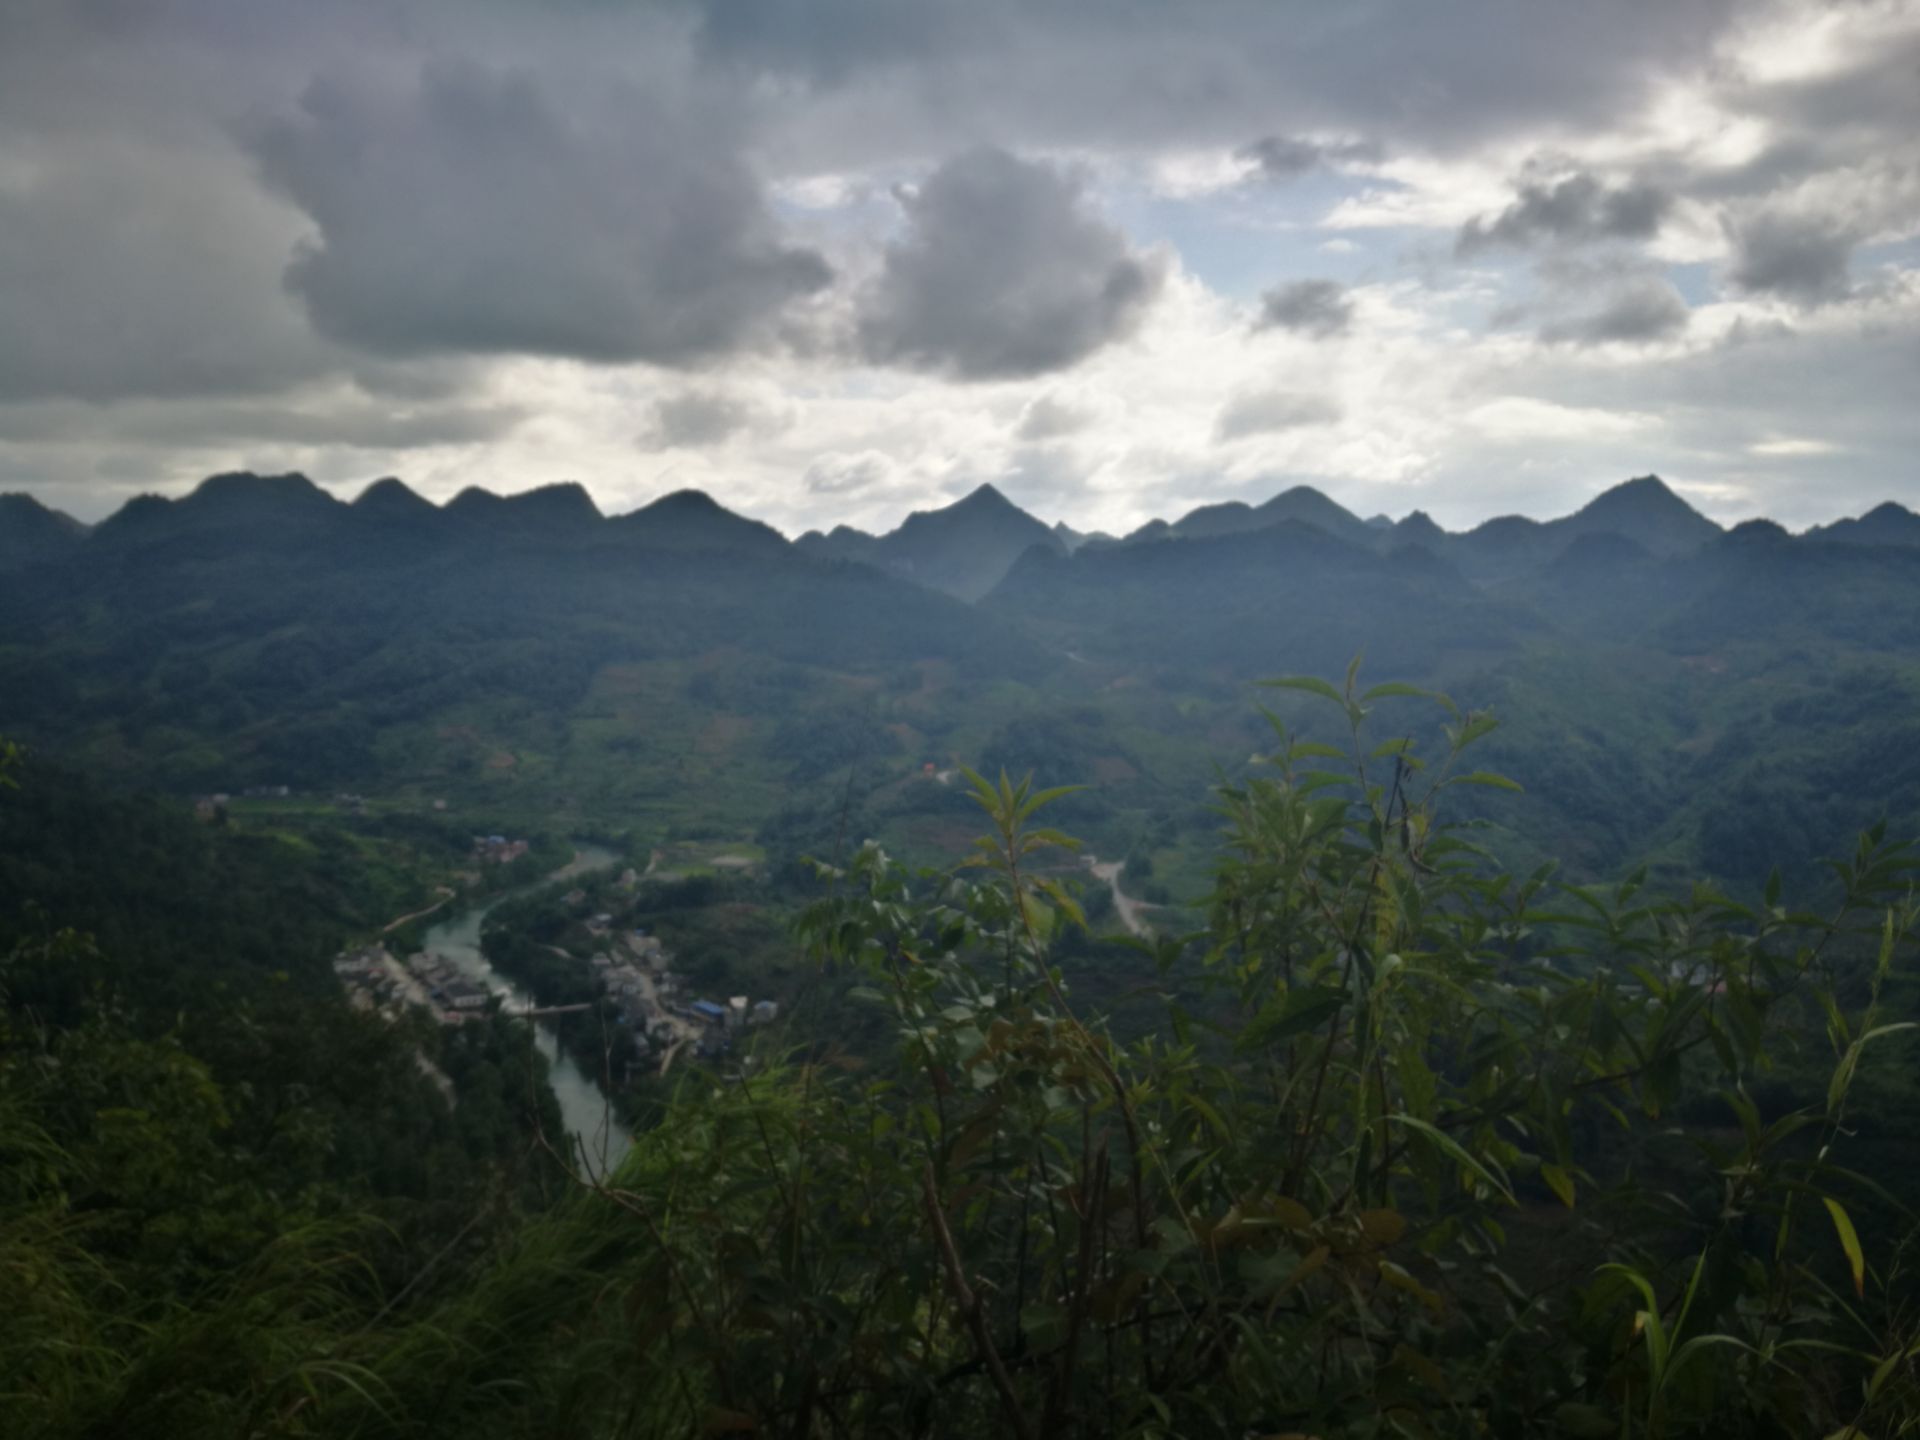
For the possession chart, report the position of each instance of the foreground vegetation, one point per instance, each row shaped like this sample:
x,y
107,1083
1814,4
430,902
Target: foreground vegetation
x,y
1420,1147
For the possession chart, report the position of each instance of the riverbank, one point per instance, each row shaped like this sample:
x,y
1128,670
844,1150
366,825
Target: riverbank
x,y
585,1107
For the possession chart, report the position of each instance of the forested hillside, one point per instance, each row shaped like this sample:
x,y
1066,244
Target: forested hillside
x,y
1680,694
1418,1146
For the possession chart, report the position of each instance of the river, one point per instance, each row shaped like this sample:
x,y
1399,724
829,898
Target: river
x,y
583,1107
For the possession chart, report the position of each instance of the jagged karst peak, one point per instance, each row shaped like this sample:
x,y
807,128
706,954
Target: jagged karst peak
x,y
963,548
237,500
20,508
390,495
474,500
984,506
1887,523
694,520
682,502
1641,490
982,495
563,498
238,487
1646,510
1299,492
985,503
1417,528
30,532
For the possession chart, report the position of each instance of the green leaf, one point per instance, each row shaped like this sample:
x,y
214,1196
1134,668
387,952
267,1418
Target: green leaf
x,y
1849,1242
1558,1181
1299,1009
1850,1062
1311,685
1451,1147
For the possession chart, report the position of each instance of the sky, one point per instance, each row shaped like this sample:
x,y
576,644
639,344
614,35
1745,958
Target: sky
x,y
836,260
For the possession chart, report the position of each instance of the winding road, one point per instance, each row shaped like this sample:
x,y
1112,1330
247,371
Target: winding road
x,y
1125,906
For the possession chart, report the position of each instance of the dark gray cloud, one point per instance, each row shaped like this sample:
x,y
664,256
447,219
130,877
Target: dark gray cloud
x,y
1639,312
696,419
1802,258
1282,157
468,214
1575,210
1266,411
133,272
1003,271
1320,308
1439,77
327,419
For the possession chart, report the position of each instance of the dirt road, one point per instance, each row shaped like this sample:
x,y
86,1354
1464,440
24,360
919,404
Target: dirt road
x,y
1130,910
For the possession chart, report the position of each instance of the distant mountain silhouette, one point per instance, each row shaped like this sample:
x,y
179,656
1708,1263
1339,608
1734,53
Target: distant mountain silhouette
x,y
1302,503
30,532
1072,539
964,549
1417,528
551,511
273,509
391,498
1644,511
1286,596
1887,524
694,520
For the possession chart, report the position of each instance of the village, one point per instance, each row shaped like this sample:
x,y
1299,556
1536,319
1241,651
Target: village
x,y
630,969
378,981
635,972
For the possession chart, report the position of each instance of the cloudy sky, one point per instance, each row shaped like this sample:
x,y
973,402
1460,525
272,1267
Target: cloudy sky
x,y
840,259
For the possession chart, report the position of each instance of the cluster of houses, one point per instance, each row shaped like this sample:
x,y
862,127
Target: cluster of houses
x,y
636,974
376,981
497,849
631,968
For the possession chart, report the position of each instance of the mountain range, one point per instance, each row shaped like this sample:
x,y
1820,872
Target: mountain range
x,y
964,549
1723,699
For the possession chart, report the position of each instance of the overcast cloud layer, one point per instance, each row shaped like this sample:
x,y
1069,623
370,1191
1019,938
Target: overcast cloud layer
x,y
840,260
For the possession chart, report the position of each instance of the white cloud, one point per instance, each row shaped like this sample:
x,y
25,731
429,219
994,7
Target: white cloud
x,y
1792,448
1522,417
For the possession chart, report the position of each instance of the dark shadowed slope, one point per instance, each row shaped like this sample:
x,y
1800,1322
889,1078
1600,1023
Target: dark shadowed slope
x,y
1644,511
1301,504
964,549
1887,524
1286,597
31,533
